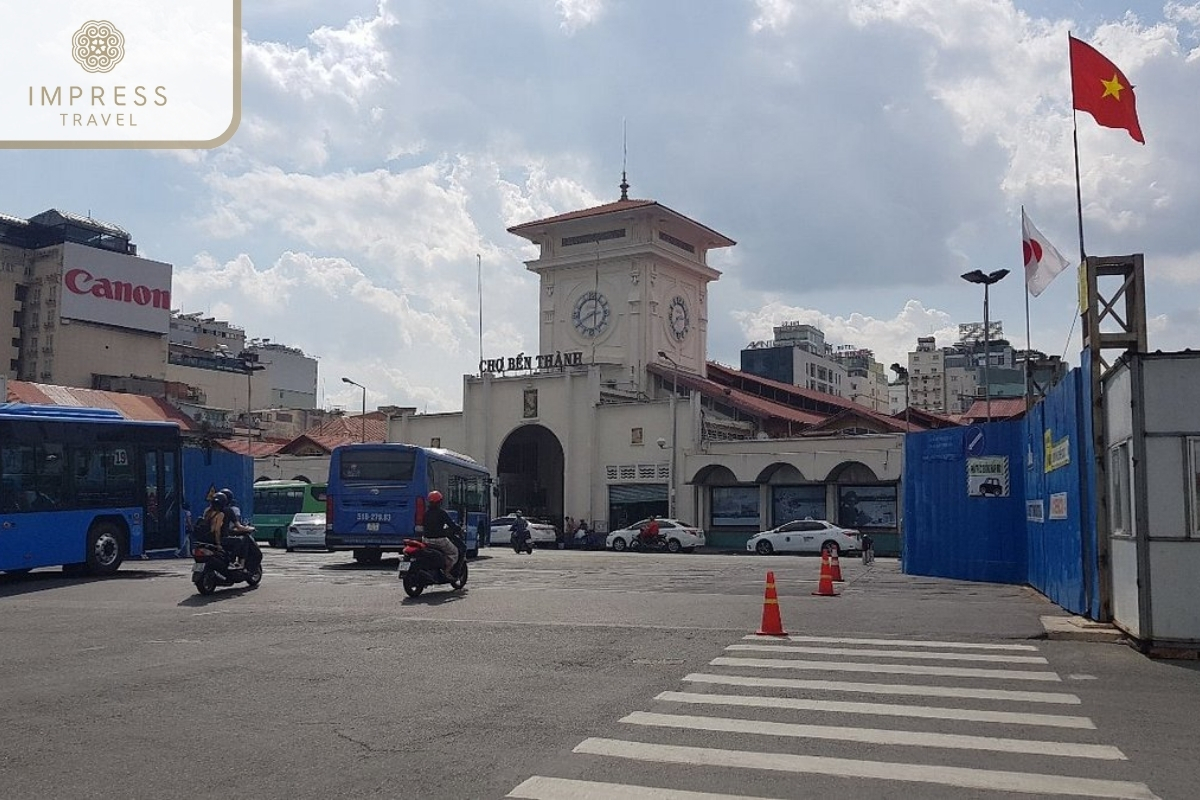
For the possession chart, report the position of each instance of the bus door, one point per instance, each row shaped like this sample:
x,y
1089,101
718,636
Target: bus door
x,y
162,526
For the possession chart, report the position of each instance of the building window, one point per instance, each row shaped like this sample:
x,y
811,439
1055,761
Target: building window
x,y
635,435
735,505
570,241
867,506
682,245
790,503
529,408
1120,492
1194,483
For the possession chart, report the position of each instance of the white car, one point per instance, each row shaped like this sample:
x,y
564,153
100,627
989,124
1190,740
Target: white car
x,y
805,536
540,533
306,531
679,536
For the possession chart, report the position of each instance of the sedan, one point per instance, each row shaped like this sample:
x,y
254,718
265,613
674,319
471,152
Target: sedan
x,y
306,531
540,533
805,536
679,536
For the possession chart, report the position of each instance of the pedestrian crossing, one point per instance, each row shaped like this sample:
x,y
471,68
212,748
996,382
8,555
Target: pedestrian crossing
x,y
775,717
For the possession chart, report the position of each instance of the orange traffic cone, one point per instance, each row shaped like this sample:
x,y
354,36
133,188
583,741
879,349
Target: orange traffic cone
x,y
772,624
835,568
825,585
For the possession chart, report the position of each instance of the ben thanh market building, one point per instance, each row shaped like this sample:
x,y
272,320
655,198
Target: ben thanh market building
x,y
620,414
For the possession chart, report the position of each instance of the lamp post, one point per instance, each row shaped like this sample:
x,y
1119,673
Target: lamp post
x,y
364,405
251,365
976,276
902,377
674,429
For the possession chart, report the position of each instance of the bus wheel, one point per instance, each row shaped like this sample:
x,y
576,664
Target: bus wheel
x,y
365,556
105,549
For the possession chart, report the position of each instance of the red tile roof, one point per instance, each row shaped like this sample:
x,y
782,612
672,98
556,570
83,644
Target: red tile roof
x,y
256,449
1002,408
612,208
342,430
821,405
130,406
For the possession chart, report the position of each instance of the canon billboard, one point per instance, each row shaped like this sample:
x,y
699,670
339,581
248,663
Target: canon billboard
x,y
115,289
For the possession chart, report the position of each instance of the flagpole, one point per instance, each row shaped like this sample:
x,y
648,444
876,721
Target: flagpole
x,y
479,284
1028,336
1075,142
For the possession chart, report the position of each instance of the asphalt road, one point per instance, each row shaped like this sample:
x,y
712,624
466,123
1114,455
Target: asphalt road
x,y
568,674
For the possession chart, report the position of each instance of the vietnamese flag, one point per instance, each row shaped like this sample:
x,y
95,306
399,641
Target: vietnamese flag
x,y
1102,90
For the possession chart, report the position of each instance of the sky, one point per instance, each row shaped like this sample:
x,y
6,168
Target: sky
x,y
863,154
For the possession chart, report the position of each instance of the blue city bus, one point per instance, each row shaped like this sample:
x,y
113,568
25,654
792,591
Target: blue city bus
x,y
376,496
85,488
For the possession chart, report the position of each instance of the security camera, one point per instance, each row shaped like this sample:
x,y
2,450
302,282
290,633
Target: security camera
x,y
662,442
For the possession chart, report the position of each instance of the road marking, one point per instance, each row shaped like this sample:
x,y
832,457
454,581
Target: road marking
x,y
854,651
885,736
879,709
897,642
540,788
961,777
892,669
887,688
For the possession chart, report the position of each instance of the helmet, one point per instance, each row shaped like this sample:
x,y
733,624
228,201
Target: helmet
x,y
219,501
435,496
228,494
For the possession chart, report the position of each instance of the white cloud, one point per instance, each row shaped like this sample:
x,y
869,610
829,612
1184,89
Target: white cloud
x,y
773,15
579,14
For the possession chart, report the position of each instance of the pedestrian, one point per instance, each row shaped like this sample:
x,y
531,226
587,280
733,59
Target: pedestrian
x,y
868,549
581,535
568,531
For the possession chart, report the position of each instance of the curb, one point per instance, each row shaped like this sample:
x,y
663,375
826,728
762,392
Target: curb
x,y
1080,629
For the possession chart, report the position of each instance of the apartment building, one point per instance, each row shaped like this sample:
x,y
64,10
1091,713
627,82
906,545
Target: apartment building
x,y
76,301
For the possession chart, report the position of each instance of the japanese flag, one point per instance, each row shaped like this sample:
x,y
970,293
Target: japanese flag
x,y
1042,261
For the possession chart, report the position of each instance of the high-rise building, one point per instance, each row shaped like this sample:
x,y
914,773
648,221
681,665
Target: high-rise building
x,y
76,301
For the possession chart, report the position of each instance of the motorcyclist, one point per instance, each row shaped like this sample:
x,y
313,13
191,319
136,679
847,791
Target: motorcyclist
x,y
237,545
519,529
649,532
214,519
438,527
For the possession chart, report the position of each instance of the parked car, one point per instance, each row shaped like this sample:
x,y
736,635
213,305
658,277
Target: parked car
x,y
307,531
541,533
805,536
679,535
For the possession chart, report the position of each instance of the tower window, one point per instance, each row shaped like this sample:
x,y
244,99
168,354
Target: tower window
x,y
602,236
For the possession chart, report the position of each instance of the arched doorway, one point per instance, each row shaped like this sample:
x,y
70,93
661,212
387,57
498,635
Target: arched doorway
x,y
529,474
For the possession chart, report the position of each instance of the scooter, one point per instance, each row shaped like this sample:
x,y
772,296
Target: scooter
x,y
658,544
522,541
212,567
421,566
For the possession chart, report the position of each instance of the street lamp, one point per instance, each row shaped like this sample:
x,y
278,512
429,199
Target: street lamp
x,y
976,276
674,429
251,365
364,405
902,377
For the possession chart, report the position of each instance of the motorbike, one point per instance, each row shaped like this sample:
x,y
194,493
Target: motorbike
x,y
421,566
657,544
522,541
212,567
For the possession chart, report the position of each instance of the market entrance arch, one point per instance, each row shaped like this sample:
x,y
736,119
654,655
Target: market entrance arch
x,y
529,474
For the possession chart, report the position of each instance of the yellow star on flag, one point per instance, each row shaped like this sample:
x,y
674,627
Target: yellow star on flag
x,y
1112,88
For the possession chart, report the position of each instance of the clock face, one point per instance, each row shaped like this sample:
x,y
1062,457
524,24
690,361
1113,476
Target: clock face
x,y
591,314
677,317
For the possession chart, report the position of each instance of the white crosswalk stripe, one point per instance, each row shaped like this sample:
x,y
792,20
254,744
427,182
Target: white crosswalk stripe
x,y
745,720
879,709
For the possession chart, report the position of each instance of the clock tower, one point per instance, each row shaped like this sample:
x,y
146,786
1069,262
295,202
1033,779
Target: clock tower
x,y
622,282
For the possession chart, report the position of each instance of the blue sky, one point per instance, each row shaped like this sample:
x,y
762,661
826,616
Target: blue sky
x,y
863,154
